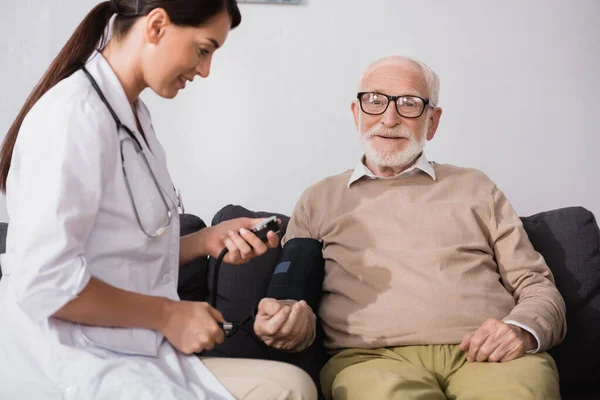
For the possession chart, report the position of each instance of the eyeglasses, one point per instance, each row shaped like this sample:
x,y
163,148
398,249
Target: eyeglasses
x,y
375,103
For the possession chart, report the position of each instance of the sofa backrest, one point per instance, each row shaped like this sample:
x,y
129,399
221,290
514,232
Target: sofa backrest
x,y
569,240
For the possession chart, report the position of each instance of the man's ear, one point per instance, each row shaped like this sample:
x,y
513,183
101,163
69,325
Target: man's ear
x,y
434,121
355,110
156,21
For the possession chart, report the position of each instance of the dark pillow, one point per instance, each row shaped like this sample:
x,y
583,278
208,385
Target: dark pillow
x,y
569,240
192,276
241,288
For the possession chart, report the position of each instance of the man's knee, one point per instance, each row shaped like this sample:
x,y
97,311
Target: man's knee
x,y
540,374
383,379
533,376
350,380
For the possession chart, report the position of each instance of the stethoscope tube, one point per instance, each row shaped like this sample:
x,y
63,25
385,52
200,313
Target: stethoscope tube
x,y
138,148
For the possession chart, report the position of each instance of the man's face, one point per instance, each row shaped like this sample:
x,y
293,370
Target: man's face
x,y
389,139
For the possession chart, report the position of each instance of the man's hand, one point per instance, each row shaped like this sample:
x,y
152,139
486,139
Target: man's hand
x,y
496,341
285,324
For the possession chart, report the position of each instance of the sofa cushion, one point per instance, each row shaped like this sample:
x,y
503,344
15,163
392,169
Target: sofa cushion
x,y
192,276
242,286
240,289
569,240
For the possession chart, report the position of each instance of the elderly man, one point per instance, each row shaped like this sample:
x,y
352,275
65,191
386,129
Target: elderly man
x,y
432,289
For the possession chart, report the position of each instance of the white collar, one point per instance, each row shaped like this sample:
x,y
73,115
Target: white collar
x,y
421,164
113,90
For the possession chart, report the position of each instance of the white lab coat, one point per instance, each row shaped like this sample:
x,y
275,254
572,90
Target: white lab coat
x,y
71,218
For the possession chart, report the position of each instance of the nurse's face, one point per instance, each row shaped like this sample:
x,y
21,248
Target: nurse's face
x,y
175,54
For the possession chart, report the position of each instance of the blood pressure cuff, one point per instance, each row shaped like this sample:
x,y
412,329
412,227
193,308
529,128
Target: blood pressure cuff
x,y
300,272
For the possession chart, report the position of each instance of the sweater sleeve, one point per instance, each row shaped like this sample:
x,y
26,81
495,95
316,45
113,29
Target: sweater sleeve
x,y
298,226
525,274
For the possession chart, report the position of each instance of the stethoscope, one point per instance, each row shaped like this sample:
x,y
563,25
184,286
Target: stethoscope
x,y
230,328
138,149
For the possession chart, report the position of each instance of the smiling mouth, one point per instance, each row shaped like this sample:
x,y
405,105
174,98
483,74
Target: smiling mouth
x,y
184,80
391,137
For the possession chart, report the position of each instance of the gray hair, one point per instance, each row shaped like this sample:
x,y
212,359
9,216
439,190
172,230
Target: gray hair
x,y
431,78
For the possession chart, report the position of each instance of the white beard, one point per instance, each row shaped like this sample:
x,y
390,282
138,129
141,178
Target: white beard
x,y
391,158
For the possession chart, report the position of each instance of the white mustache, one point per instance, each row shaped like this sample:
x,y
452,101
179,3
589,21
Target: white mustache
x,y
397,132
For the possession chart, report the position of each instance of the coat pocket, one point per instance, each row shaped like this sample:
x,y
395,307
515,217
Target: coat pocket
x,y
132,341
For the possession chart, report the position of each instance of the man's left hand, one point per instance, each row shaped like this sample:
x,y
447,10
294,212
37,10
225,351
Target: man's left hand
x,y
496,341
285,324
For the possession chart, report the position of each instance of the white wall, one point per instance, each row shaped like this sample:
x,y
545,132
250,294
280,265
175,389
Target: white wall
x,y
519,90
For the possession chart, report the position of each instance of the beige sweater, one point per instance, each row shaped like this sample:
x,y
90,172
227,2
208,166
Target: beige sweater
x,y
414,261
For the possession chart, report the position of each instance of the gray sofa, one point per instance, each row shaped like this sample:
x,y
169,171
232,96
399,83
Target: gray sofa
x,y
568,238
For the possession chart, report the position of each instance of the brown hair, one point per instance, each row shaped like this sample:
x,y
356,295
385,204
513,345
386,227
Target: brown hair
x,y
90,35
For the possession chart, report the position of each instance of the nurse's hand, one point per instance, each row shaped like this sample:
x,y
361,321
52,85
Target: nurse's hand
x,y
242,244
192,327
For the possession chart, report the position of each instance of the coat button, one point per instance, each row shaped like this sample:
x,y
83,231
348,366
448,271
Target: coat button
x,y
71,390
166,278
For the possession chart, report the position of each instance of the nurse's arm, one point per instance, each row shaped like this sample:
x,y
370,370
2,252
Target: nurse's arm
x,y
101,304
188,325
232,234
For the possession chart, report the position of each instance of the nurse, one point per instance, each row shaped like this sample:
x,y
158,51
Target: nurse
x,y
89,298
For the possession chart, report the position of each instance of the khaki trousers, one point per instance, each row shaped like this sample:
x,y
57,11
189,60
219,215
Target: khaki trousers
x,y
249,379
436,372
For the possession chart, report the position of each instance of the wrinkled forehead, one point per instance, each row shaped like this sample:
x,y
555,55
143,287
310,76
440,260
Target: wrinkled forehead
x,y
395,77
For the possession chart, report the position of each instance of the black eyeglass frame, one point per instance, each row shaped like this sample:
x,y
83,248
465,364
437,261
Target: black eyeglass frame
x,y
426,102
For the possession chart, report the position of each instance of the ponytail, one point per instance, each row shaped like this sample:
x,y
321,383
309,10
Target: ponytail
x,y
88,37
